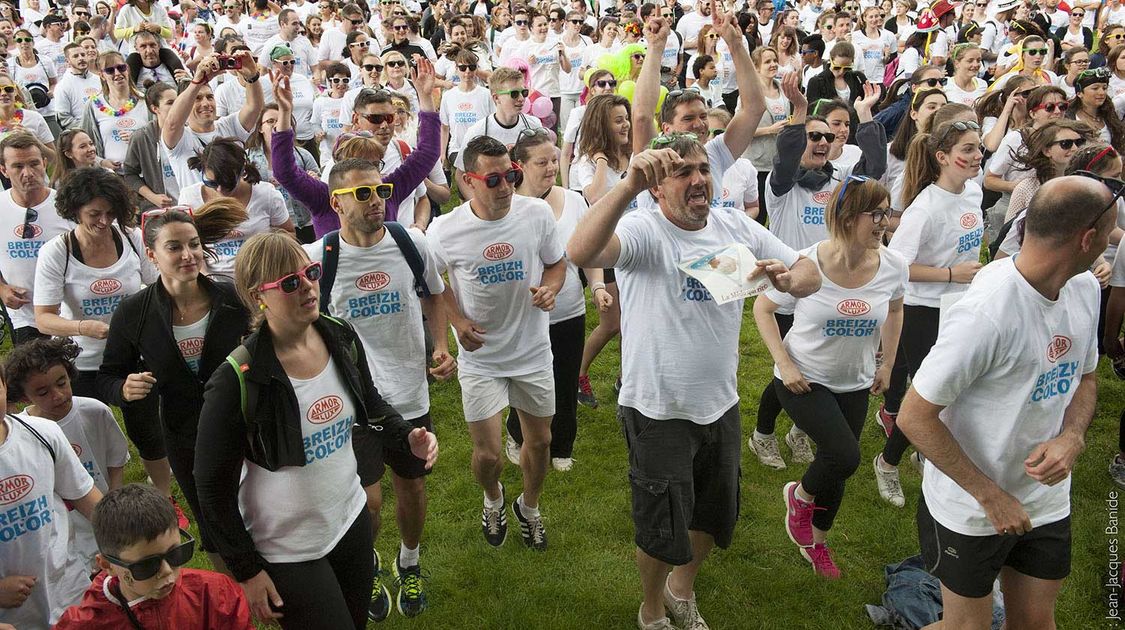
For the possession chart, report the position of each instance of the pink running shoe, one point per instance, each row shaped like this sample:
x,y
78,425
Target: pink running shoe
x,y
821,559
798,517
182,518
886,419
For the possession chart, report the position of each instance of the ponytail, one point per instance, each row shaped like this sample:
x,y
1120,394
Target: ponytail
x,y
922,168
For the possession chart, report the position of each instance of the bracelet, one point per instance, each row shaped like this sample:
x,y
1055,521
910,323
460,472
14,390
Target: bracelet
x,y
601,158
80,327
596,286
950,275
254,79
194,82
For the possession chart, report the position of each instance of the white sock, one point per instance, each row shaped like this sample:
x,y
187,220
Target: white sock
x,y
761,436
407,557
528,511
498,503
800,493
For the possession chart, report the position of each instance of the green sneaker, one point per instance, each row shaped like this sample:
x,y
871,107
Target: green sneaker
x,y
380,605
411,592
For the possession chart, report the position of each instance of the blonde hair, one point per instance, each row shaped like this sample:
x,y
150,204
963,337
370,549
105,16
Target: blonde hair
x,y
264,258
360,147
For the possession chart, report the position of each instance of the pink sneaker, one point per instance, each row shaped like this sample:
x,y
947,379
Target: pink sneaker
x,y
886,419
821,559
798,517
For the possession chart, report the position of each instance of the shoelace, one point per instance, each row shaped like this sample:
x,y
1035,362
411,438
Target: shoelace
x,y
821,559
801,445
493,520
410,582
377,584
538,533
894,485
771,449
692,618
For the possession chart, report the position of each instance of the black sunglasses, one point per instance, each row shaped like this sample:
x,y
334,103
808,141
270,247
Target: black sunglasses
x,y
372,66
356,22
146,568
398,63
817,136
1067,144
1116,188
606,83
31,215
467,68
933,83
521,22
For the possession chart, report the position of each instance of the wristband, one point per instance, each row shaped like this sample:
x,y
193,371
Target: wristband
x,y
950,275
254,79
596,286
194,82
601,158
80,328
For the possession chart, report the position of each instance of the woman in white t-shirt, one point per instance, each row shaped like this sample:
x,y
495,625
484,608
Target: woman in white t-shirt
x,y
1044,104
763,148
923,104
113,116
940,237
356,45
1033,51
286,509
15,118
228,172
605,38
570,82
395,78
597,82
1074,61
327,107
965,86
784,41
825,368
546,59
26,67
538,156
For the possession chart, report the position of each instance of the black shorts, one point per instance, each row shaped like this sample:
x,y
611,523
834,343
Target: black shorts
x,y
968,565
372,457
608,276
683,476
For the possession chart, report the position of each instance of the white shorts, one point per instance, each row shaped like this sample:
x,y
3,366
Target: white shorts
x,y
485,396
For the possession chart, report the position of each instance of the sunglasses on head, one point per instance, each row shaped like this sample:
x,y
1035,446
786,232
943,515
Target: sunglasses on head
x,y
397,63
516,93
1116,188
1051,108
378,119
844,188
513,176
606,83
364,193
155,212
372,66
146,568
467,68
666,139
289,283
1070,143
1097,73
817,136
959,126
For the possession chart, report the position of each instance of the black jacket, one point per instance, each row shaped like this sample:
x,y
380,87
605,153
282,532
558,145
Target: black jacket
x,y
141,329
273,438
823,85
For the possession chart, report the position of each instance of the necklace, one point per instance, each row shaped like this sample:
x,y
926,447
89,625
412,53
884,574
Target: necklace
x,y
103,106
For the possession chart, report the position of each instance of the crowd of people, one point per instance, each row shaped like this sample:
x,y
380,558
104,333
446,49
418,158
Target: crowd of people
x,y
234,222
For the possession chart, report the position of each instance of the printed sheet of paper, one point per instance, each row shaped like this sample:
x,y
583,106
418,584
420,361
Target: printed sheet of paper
x,y
724,273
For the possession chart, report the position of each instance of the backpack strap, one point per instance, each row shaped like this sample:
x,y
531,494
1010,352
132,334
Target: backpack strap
x,y
38,436
352,351
403,148
329,260
413,257
239,359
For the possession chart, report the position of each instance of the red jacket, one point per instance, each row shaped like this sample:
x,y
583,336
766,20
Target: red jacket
x,y
201,599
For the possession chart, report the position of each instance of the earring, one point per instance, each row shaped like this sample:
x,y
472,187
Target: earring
x,y
261,306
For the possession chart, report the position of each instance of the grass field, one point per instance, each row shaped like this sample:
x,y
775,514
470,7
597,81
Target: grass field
x,y
587,578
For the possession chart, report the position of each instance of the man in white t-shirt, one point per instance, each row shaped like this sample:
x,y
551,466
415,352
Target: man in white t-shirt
x,y
1000,409
29,219
290,35
506,266
681,423
507,122
333,39
463,106
75,88
691,23
49,46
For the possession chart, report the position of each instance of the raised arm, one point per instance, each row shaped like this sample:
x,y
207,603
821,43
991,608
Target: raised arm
x,y
740,131
870,135
173,128
248,76
647,91
791,140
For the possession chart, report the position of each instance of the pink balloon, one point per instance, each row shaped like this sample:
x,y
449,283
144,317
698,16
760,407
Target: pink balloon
x,y
542,107
526,106
549,120
554,138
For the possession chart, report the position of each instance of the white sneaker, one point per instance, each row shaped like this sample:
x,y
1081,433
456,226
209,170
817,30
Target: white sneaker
x,y
766,449
889,486
562,464
660,624
801,446
683,612
918,461
512,450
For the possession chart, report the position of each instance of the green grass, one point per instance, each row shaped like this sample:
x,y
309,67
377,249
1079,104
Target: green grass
x,y
587,578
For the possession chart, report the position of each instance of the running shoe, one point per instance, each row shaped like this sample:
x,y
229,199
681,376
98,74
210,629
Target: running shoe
x,y
512,450
411,598
562,464
494,524
889,486
380,605
660,624
821,559
617,385
798,517
531,528
586,393
801,446
886,419
919,462
181,518
1117,470
766,449
683,612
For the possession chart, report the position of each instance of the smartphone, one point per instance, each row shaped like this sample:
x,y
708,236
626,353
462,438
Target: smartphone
x,y
227,62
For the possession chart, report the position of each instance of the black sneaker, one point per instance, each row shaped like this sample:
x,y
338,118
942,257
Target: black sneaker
x,y
411,596
380,605
532,529
494,524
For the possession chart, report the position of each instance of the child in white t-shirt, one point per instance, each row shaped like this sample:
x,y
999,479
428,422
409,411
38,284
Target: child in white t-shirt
x,y
40,373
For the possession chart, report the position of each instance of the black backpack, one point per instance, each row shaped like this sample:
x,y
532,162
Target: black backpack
x,y
405,245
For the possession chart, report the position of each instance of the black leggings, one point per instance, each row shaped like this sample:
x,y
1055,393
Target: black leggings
x,y
142,417
919,334
566,344
769,406
834,422
762,213
333,592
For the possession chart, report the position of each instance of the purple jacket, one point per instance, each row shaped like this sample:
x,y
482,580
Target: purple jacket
x,y
314,193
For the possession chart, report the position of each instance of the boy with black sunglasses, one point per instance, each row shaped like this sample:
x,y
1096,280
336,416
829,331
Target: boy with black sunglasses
x,y
141,584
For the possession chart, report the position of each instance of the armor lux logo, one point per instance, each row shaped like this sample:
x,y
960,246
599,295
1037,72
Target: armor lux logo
x,y
14,488
105,286
34,233
822,197
853,308
372,281
77,449
191,346
325,409
968,220
1059,346
498,251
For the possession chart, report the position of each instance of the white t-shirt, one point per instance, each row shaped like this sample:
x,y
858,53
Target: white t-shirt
x,y
266,209
332,42
740,185
460,110
230,96
542,60
571,300
836,331
797,217
299,513
574,124
34,124
327,110
18,265
679,348
940,229
1006,391
256,31
190,142
72,92
489,126
492,266
35,534
87,292
374,291
570,83
965,97
51,53
690,24
303,53
189,339
115,130
1002,163
870,52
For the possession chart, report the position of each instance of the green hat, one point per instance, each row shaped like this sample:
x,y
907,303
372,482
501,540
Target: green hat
x,y
279,51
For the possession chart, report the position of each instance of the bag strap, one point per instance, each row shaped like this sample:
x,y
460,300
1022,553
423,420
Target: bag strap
x,y
403,148
413,257
329,261
38,436
239,359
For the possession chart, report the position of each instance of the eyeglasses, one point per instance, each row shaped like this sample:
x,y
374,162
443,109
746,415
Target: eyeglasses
x,y
1115,36
808,52
715,133
291,282
363,193
378,119
817,136
516,93
1035,52
31,215
575,22
1069,143
397,63
81,15
606,83
467,68
372,66
1051,108
531,132
146,568
1110,151
363,44
933,83
513,176
356,22
638,56
1116,188
667,16
8,89
155,212
1077,13
711,36
1080,62
836,68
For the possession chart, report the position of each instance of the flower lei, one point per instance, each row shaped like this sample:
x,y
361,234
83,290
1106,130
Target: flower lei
x,y
104,107
15,121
